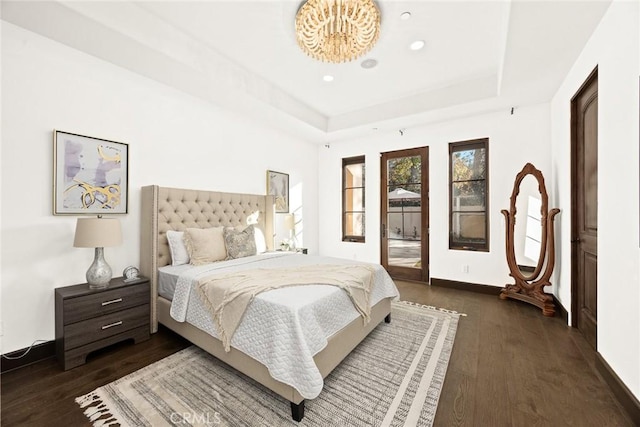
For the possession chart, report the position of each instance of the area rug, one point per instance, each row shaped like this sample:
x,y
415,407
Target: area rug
x,y
393,378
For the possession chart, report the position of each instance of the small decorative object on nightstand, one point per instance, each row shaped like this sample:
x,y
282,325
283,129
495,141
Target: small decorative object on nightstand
x,y
131,274
302,251
90,319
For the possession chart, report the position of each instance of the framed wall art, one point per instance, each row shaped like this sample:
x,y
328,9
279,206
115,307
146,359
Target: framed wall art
x,y
278,186
90,175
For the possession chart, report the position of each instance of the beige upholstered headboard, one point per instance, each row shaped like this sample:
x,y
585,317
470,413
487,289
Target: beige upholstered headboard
x,y
166,209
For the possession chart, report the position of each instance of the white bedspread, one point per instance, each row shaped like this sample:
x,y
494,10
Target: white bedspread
x,y
282,329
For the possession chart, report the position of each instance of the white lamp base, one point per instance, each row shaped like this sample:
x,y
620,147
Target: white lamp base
x,y
292,241
99,273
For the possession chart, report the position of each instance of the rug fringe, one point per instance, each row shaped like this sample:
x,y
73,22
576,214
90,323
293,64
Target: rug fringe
x,y
444,310
96,410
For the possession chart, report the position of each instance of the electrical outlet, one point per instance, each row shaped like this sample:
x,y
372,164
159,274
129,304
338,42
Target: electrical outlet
x,y
465,268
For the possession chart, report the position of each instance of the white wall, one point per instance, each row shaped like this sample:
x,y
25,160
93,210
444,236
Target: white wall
x,y
613,48
513,141
174,140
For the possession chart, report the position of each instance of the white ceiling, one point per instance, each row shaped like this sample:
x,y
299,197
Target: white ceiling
x,y
479,56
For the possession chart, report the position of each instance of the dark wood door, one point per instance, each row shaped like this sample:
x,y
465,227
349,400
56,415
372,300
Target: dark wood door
x,y
404,213
584,239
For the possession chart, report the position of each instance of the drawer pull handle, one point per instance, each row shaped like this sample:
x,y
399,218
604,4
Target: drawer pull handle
x,y
113,301
111,325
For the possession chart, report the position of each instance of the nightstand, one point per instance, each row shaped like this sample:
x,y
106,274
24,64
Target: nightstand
x,y
296,250
90,319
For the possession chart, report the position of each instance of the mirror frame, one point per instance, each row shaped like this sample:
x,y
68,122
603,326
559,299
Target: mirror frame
x,y
529,171
530,288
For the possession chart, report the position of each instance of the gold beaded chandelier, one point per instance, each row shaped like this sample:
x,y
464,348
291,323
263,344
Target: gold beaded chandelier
x,y
337,30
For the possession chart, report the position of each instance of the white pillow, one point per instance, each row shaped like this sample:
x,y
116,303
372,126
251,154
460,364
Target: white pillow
x,y
261,242
205,245
177,247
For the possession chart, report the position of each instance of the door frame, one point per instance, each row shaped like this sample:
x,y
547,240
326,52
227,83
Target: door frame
x,y
397,272
575,309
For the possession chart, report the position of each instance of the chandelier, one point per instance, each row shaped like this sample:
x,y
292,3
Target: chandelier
x,y
337,30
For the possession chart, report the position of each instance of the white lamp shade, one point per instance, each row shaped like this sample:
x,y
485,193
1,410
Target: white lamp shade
x,y
97,233
289,222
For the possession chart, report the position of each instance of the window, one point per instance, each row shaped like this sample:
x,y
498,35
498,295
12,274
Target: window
x,y
353,199
469,195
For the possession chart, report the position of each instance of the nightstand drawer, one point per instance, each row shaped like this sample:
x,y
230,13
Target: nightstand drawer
x,y
101,303
81,333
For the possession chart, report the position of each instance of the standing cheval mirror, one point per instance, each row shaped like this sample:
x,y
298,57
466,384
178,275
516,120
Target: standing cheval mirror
x,y
531,245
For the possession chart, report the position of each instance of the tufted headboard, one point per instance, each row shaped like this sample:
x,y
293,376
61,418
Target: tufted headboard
x,y
166,209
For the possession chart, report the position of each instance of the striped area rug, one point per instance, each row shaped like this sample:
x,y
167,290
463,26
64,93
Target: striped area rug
x,y
393,378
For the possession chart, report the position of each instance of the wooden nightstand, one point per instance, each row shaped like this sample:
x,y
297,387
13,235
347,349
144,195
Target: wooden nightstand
x,y
90,319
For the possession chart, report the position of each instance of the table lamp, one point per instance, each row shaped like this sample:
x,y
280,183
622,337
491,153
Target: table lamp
x,y
98,233
290,224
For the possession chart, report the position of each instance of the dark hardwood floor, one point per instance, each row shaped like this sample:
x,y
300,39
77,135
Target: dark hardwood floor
x,y
510,366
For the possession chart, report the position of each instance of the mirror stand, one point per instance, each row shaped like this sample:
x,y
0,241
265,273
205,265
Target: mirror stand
x,y
530,288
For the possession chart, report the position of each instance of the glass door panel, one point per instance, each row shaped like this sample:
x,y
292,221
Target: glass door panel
x,y
404,214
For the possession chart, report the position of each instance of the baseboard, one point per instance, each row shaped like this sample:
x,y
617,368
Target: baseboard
x,y
37,353
628,401
560,310
465,286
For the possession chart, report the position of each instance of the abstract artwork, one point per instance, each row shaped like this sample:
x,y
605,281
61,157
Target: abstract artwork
x,y
90,175
278,187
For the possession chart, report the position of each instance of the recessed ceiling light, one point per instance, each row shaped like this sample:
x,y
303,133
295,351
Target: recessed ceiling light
x,y
327,78
369,63
417,45
405,15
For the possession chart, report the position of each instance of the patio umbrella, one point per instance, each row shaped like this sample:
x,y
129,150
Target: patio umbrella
x,y
401,193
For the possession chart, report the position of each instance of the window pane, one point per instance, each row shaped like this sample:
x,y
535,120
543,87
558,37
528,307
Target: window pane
x,y
468,228
354,199
404,197
405,253
354,224
404,225
354,175
403,170
469,164
468,196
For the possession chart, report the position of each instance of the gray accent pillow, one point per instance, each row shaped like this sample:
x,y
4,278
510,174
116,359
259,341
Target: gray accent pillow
x,y
240,244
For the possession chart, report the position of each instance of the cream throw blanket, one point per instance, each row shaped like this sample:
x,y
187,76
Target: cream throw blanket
x,y
227,296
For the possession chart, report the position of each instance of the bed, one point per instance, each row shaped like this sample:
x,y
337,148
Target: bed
x,y
165,209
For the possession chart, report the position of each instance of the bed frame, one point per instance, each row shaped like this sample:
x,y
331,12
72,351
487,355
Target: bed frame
x,y
166,209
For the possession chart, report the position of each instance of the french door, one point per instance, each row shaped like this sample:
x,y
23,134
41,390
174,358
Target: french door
x,y
404,215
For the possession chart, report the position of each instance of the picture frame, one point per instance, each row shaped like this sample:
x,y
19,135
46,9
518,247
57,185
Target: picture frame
x,y
278,187
90,175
